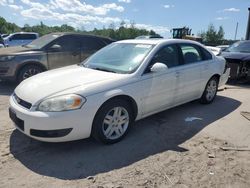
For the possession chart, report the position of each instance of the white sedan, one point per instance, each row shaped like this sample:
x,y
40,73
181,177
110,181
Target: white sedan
x,y
123,82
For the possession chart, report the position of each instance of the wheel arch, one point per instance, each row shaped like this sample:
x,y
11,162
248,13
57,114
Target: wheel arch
x,y
125,97
36,63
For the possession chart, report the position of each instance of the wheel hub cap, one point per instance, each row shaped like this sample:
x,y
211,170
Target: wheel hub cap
x,y
115,123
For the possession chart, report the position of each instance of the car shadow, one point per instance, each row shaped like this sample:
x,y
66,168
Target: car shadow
x,y
155,134
7,88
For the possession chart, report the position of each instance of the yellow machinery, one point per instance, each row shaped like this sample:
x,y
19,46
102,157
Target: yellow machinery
x,y
185,33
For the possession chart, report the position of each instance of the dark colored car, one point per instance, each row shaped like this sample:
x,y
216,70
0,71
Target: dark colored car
x,y
48,52
1,41
238,59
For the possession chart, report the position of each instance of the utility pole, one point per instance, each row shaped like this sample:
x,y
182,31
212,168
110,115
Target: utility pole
x,y
236,30
248,26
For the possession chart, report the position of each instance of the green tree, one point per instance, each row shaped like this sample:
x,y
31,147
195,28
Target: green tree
x,y
212,36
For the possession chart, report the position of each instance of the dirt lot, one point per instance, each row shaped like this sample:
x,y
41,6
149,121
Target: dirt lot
x,y
164,150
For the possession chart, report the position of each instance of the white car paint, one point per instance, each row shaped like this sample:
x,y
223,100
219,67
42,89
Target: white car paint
x,y
152,92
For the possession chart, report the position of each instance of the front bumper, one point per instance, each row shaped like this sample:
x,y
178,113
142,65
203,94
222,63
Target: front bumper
x,y
7,70
51,126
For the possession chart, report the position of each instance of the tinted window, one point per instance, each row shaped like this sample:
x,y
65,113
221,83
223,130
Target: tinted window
x,y
23,37
16,37
28,36
205,54
91,43
68,43
191,53
167,55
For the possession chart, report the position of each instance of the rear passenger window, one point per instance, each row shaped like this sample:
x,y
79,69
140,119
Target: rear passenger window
x,y
167,55
191,53
205,54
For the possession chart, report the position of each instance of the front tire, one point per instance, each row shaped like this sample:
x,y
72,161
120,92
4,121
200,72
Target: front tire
x,y
210,91
28,71
112,121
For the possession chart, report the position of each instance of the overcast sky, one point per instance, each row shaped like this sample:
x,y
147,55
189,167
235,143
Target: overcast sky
x,y
159,15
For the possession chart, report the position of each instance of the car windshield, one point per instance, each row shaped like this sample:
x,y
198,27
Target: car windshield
x,y
42,41
242,46
119,57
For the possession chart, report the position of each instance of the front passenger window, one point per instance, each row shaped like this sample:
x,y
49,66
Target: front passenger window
x,y
167,55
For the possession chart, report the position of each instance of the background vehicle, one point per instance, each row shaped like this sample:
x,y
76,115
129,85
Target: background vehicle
x,y
148,36
47,52
125,81
238,59
19,39
222,47
1,42
215,50
185,33
5,35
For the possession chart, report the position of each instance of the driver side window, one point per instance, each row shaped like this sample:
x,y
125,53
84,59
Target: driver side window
x,y
167,55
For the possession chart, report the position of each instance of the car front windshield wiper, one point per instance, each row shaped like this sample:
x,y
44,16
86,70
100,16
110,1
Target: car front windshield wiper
x,y
96,68
103,69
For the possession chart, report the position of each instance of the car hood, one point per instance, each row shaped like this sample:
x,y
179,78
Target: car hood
x,y
15,50
55,81
236,55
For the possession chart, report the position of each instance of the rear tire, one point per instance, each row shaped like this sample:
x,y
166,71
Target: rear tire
x,y
28,71
210,91
112,121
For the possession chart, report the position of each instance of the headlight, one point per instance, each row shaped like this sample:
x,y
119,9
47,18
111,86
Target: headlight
x,y
62,103
6,58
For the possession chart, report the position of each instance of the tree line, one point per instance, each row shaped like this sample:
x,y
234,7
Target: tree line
x,y
117,33
211,36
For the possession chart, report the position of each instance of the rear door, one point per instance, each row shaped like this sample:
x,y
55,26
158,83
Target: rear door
x,y
190,73
68,54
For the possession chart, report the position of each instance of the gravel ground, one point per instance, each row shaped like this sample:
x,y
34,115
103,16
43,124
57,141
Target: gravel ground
x,y
164,150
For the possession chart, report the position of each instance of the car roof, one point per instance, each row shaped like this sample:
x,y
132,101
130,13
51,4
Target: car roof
x,y
79,34
24,33
156,41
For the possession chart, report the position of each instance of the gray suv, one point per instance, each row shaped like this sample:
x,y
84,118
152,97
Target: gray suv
x,y
48,52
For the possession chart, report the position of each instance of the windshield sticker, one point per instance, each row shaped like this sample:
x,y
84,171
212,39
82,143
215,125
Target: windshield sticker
x,y
143,46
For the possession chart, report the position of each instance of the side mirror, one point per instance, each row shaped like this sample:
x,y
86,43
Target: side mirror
x,y
159,67
55,48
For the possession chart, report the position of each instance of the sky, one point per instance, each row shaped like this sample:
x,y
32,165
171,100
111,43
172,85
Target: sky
x,y
158,15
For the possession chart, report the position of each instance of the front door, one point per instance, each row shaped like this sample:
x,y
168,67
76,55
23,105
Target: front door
x,y
67,53
161,87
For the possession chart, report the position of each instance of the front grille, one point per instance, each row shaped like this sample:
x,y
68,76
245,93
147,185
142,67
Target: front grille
x,y
21,102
